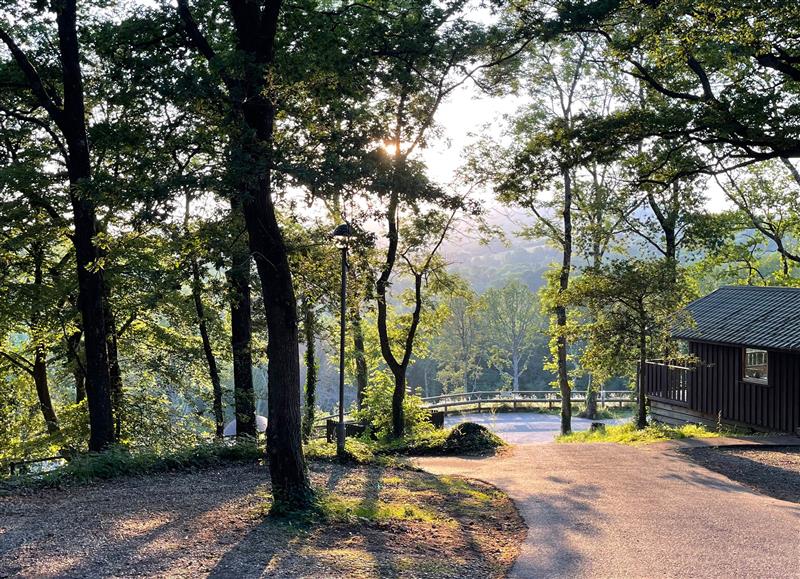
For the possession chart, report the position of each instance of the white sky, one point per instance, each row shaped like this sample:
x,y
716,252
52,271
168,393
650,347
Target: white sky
x,y
469,112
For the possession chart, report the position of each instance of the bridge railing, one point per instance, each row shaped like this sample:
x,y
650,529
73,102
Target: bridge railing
x,y
516,398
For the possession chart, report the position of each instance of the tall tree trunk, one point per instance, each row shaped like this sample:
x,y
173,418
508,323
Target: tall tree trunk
x,y
70,118
241,337
362,373
114,370
397,367
91,284
561,310
641,415
208,351
255,26
40,349
290,485
75,364
310,330
202,324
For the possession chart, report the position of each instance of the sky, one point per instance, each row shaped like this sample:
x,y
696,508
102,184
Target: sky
x,y
469,112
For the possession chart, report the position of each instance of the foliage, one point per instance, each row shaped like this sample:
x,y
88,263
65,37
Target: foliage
x,y
376,409
629,434
119,461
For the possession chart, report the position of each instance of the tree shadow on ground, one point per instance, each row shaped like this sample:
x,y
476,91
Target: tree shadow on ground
x,y
769,479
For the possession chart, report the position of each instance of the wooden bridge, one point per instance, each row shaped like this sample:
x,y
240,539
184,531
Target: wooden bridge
x,y
481,401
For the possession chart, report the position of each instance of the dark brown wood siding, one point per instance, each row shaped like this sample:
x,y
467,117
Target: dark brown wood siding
x,y
716,388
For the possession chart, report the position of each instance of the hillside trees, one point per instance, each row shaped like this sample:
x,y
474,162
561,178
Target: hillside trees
x,y
512,325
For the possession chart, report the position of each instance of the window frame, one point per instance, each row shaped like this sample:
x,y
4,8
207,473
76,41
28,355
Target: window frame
x,y
749,379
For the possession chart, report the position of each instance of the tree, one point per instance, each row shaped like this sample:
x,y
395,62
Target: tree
x,y
65,122
633,303
718,76
511,321
544,157
253,109
458,348
767,195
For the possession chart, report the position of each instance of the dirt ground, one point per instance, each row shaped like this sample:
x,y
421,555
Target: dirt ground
x,y
770,470
211,523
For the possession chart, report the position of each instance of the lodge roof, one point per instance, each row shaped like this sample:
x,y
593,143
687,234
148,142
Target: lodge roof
x,y
759,317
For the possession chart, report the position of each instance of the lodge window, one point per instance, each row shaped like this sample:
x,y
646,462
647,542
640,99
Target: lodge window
x,y
756,365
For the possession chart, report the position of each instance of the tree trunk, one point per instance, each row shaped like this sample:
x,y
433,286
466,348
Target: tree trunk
x,y
290,485
309,327
43,390
398,396
255,27
561,310
114,370
39,372
591,399
362,373
641,415
211,360
75,364
90,276
241,338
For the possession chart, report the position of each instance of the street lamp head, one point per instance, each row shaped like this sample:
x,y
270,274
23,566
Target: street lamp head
x,y
342,234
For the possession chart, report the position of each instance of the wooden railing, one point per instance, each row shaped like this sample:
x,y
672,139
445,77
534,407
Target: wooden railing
x,y
487,400
665,381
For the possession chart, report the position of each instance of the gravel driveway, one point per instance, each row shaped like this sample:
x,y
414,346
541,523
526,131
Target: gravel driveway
x,y
608,510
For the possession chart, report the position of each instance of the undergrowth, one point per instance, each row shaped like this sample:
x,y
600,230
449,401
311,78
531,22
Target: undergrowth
x,y
466,438
117,461
628,433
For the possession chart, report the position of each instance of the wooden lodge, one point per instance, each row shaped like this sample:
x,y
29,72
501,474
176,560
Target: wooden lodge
x,y
745,345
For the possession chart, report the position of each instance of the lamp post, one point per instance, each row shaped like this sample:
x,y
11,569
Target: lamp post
x,y
341,237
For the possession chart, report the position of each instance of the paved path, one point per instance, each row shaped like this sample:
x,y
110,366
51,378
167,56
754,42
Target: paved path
x,y
524,427
607,510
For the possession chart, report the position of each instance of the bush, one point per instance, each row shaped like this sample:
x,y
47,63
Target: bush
x,y
376,410
119,461
471,438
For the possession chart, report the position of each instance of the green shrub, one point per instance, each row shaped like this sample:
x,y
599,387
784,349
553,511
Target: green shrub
x,y
118,461
376,409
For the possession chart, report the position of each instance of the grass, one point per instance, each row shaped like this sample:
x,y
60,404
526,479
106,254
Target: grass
x,y
465,438
343,509
629,434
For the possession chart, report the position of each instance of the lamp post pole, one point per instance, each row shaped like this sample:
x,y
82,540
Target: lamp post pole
x,y
340,432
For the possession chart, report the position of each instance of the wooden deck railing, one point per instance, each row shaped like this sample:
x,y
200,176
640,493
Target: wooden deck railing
x,y
666,381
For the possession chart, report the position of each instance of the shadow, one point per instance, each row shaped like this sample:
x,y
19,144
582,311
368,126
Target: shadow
x,y
212,523
768,479
141,524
